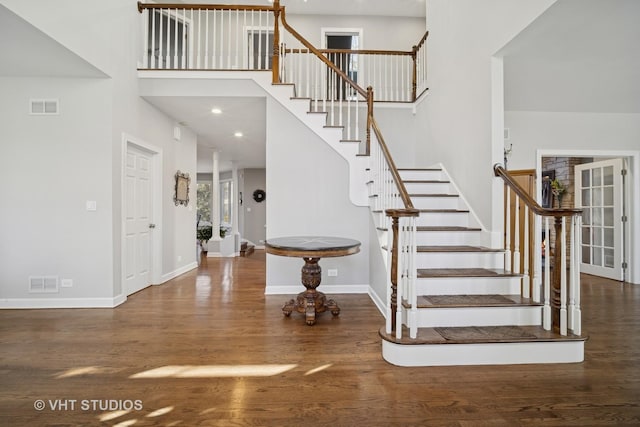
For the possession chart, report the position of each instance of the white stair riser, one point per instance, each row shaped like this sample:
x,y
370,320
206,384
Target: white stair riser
x,y
429,188
459,260
449,238
437,202
479,316
483,354
443,219
468,286
421,175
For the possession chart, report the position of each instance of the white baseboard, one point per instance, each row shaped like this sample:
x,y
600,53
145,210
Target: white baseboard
x,y
379,302
327,289
175,273
39,303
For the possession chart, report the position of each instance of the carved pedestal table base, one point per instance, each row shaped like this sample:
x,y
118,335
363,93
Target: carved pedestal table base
x,y
311,302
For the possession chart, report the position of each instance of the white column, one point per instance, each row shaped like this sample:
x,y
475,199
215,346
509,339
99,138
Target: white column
x,y
215,197
235,230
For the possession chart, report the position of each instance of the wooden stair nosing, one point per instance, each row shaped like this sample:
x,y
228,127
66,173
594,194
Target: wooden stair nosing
x,y
472,301
457,249
434,195
425,181
430,336
420,169
428,273
456,211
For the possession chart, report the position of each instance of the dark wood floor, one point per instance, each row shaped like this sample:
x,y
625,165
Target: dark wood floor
x,y
210,349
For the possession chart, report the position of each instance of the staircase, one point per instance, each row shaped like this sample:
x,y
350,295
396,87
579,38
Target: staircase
x,y
453,299
469,308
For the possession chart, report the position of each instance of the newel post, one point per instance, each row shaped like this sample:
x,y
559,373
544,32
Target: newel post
x,y
275,67
369,117
394,270
414,82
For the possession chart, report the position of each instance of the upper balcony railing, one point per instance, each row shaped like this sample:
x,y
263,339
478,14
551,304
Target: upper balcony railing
x,y
237,37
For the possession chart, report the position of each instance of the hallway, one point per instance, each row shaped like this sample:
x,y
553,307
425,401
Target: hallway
x,y
209,348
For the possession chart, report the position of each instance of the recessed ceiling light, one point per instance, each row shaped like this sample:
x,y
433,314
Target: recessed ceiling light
x,y
216,111
238,134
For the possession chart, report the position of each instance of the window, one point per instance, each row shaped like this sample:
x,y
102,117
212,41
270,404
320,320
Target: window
x,y
226,201
204,202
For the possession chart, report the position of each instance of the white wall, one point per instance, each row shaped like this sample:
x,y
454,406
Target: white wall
x,y
109,37
456,119
255,214
533,130
308,194
379,32
49,167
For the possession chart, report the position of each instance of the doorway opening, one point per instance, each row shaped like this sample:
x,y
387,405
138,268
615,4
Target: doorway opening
x,y
595,182
338,41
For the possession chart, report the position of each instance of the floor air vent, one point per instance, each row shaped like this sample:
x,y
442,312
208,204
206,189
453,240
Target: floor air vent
x,y
43,284
44,107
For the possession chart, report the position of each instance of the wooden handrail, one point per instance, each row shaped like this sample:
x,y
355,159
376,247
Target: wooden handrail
x,y
409,210
421,42
319,54
142,6
355,51
499,171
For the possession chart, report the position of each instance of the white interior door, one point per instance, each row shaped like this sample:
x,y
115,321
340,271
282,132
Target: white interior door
x,y
599,193
138,219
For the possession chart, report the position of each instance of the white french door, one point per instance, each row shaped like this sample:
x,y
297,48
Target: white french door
x,y
138,208
599,193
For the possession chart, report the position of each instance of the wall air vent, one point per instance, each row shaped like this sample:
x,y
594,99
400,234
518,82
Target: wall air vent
x,y
40,107
43,284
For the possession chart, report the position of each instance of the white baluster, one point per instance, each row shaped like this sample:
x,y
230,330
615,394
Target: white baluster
x,y
160,50
238,37
206,37
145,38
357,117
546,312
507,242
175,38
198,63
572,271
516,236
525,272
222,36
577,313
537,257
399,281
563,280
154,58
413,333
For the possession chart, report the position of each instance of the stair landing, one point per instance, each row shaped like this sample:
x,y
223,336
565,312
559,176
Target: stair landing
x,y
481,345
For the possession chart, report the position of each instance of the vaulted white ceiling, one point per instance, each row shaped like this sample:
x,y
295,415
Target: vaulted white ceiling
x,y
578,56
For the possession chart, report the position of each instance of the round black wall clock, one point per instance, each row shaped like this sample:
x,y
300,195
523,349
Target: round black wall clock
x,y
259,196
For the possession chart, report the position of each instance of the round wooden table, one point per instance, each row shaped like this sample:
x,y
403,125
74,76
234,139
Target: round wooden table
x,y
311,249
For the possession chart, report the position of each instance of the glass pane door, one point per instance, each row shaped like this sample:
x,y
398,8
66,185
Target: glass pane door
x,y
599,195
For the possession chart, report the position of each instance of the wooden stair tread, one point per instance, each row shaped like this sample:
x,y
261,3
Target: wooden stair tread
x,y
433,195
438,228
478,335
424,181
424,273
460,248
460,301
444,210
421,169
446,228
